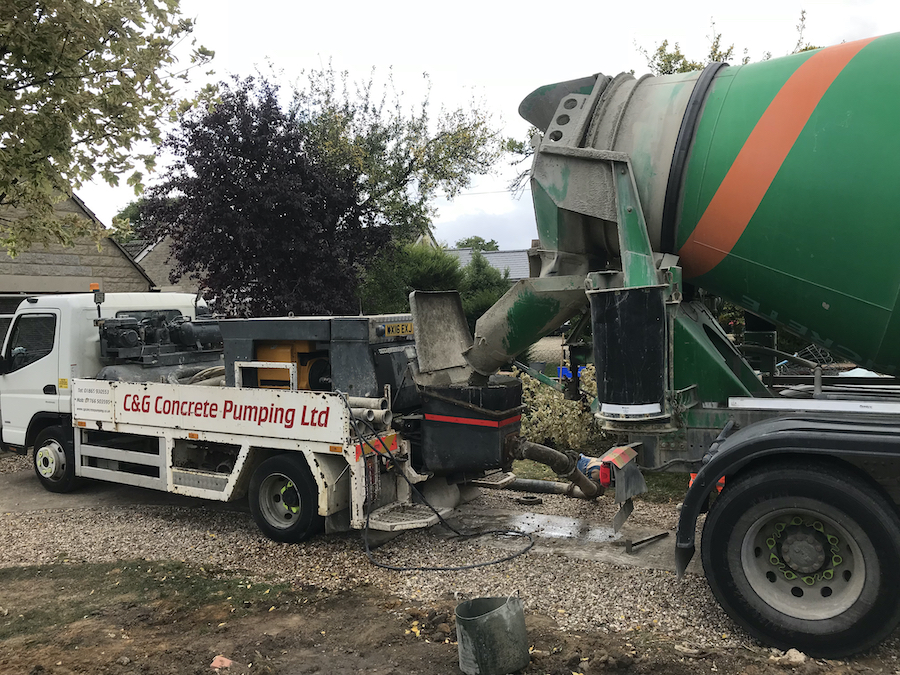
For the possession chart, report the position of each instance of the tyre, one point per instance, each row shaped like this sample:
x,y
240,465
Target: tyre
x,y
806,556
54,460
284,499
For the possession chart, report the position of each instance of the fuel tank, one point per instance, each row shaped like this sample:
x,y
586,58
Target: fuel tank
x,y
776,183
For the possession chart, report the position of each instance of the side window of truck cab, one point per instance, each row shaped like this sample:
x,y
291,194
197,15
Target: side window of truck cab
x,y
31,339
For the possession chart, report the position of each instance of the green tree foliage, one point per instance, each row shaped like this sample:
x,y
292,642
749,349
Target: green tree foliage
x,y
127,220
81,81
482,286
341,180
803,45
665,60
413,267
478,243
399,159
255,212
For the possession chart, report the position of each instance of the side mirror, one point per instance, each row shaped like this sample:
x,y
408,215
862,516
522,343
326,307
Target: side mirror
x,y
4,365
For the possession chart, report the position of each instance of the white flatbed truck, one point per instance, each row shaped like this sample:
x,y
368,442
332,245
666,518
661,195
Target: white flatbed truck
x,y
297,454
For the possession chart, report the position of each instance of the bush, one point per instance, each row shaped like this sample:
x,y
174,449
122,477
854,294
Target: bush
x,y
564,425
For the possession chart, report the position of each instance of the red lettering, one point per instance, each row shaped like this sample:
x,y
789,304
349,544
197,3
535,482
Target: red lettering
x,y
145,403
213,408
156,405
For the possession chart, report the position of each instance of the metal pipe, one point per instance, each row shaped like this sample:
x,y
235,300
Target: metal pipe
x,y
368,402
366,414
563,465
382,417
547,487
769,351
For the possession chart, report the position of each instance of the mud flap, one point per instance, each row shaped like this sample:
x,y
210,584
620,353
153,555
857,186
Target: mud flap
x,y
629,481
622,514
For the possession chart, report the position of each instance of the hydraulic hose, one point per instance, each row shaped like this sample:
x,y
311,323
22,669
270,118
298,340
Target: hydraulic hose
x,y
563,465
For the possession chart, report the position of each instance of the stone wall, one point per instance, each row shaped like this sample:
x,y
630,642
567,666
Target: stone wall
x,y
156,264
58,269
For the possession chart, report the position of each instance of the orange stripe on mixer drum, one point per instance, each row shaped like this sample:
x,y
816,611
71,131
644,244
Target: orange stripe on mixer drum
x,y
759,160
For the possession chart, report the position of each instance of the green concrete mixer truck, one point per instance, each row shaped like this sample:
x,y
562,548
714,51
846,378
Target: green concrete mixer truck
x,y
774,185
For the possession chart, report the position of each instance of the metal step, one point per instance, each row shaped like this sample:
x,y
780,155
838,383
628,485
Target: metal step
x,y
404,517
497,480
205,480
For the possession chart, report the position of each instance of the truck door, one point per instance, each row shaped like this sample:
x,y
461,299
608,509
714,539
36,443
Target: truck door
x,y
30,382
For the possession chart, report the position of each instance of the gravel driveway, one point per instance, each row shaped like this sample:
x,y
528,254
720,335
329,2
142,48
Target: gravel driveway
x,y
580,594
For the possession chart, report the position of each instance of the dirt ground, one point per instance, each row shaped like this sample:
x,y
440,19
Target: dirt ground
x,y
141,618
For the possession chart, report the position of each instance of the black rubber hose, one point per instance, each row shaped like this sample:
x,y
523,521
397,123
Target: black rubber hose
x,y
562,464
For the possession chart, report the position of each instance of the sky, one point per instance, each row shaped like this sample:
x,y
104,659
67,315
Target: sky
x,y
497,52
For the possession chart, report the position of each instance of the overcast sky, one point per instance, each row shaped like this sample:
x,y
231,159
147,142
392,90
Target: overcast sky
x,y
499,52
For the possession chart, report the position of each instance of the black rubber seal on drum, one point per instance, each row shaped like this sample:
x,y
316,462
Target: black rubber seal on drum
x,y
679,158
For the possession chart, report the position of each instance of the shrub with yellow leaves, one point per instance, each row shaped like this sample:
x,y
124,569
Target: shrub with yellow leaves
x,y
551,420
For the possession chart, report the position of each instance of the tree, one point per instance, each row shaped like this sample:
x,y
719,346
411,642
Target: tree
x,y
399,160
803,45
482,286
478,244
665,61
128,220
348,177
81,81
256,214
413,267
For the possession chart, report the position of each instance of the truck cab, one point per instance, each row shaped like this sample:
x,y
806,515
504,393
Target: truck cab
x,y
52,340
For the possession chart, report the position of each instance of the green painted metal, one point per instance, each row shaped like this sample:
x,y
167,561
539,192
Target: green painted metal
x,y
547,216
531,309
819,255
539,376
638,266
703,356
526,319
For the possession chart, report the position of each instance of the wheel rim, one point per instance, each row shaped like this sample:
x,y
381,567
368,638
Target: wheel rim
x,y
803,563
50,460
279,501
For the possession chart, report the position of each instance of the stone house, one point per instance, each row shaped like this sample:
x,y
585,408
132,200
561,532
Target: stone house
x,y
154,260
515,262
59,269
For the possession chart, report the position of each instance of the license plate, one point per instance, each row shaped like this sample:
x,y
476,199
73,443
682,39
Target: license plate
x,y
398,329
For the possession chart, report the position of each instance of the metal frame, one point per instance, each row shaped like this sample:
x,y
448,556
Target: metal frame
x,y
240,365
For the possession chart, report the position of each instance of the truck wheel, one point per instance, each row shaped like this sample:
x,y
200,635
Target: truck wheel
x,y
806,557
54,460
284,499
